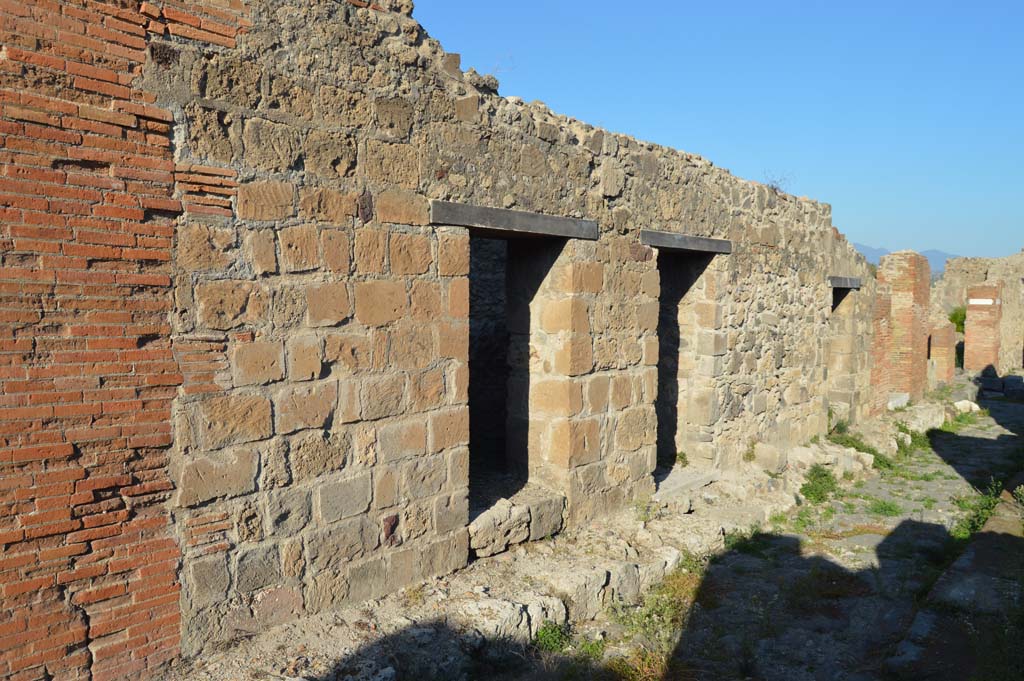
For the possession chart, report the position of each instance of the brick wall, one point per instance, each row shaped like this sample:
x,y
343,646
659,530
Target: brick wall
x,y
943,351
908,276
88,565
982,328
881,350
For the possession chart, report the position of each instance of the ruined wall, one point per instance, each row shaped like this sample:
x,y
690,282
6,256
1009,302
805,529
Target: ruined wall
x,y
942,351
243,227
909,280
88,196
982,348
952,291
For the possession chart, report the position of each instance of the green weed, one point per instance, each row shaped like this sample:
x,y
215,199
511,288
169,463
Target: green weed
x,y
820,485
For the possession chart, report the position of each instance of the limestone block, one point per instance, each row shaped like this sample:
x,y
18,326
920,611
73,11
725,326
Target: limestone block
x,y
277,605
202,247
703,408
401,440
556,397
288,511
340,543
257,568
453,255
336,249
381,302
351,351
966,407
769,457
575,356
270,146
328,205
265,201
327,304
371,245
458,298
305,407
305,359
634,428
391,164
257,363
314,454
207,580
452,512
583,590
399,207
342,499
260,250
410,253
499,527
565,314
425,300
223,420
382,396
300,248
219,475
497,619
449,429
575,442
613,179
367,580
328,154
225,304
546,516
921,418
424,477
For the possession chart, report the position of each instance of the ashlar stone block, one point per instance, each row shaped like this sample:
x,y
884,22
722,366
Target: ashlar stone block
x,y
210,477
327,304
342,499
257,363
307,406
223,420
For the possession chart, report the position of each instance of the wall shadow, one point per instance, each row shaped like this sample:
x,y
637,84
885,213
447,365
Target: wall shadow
x,y
770,609
678,272
504,277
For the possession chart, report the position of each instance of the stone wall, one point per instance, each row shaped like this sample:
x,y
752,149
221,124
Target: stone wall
x,y
951,291
243,361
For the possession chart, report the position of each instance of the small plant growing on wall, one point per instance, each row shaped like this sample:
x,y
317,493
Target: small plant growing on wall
x,y
681,459
958,316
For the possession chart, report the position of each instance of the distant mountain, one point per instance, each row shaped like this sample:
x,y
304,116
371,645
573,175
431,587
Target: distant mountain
x,y
936,259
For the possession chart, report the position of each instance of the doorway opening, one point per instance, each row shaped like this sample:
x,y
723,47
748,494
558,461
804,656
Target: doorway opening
x,y
678,325
505,275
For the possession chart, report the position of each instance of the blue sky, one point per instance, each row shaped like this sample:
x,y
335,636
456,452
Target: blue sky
x,y
908,117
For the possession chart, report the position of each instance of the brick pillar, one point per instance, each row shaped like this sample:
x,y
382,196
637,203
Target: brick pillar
x,y
981,330
881,344
943,351
909,277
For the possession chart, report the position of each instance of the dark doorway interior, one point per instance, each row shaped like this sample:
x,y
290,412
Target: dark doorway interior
x,y
677,327
504,277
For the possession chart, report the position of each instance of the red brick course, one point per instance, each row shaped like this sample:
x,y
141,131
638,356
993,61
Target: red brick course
x,y
909,278
981,330
943,351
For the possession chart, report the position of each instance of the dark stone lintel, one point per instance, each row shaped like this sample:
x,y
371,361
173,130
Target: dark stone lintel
x,y
845,282
682,242
510,223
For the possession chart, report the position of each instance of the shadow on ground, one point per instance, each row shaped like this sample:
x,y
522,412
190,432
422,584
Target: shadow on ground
x,y
773,607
